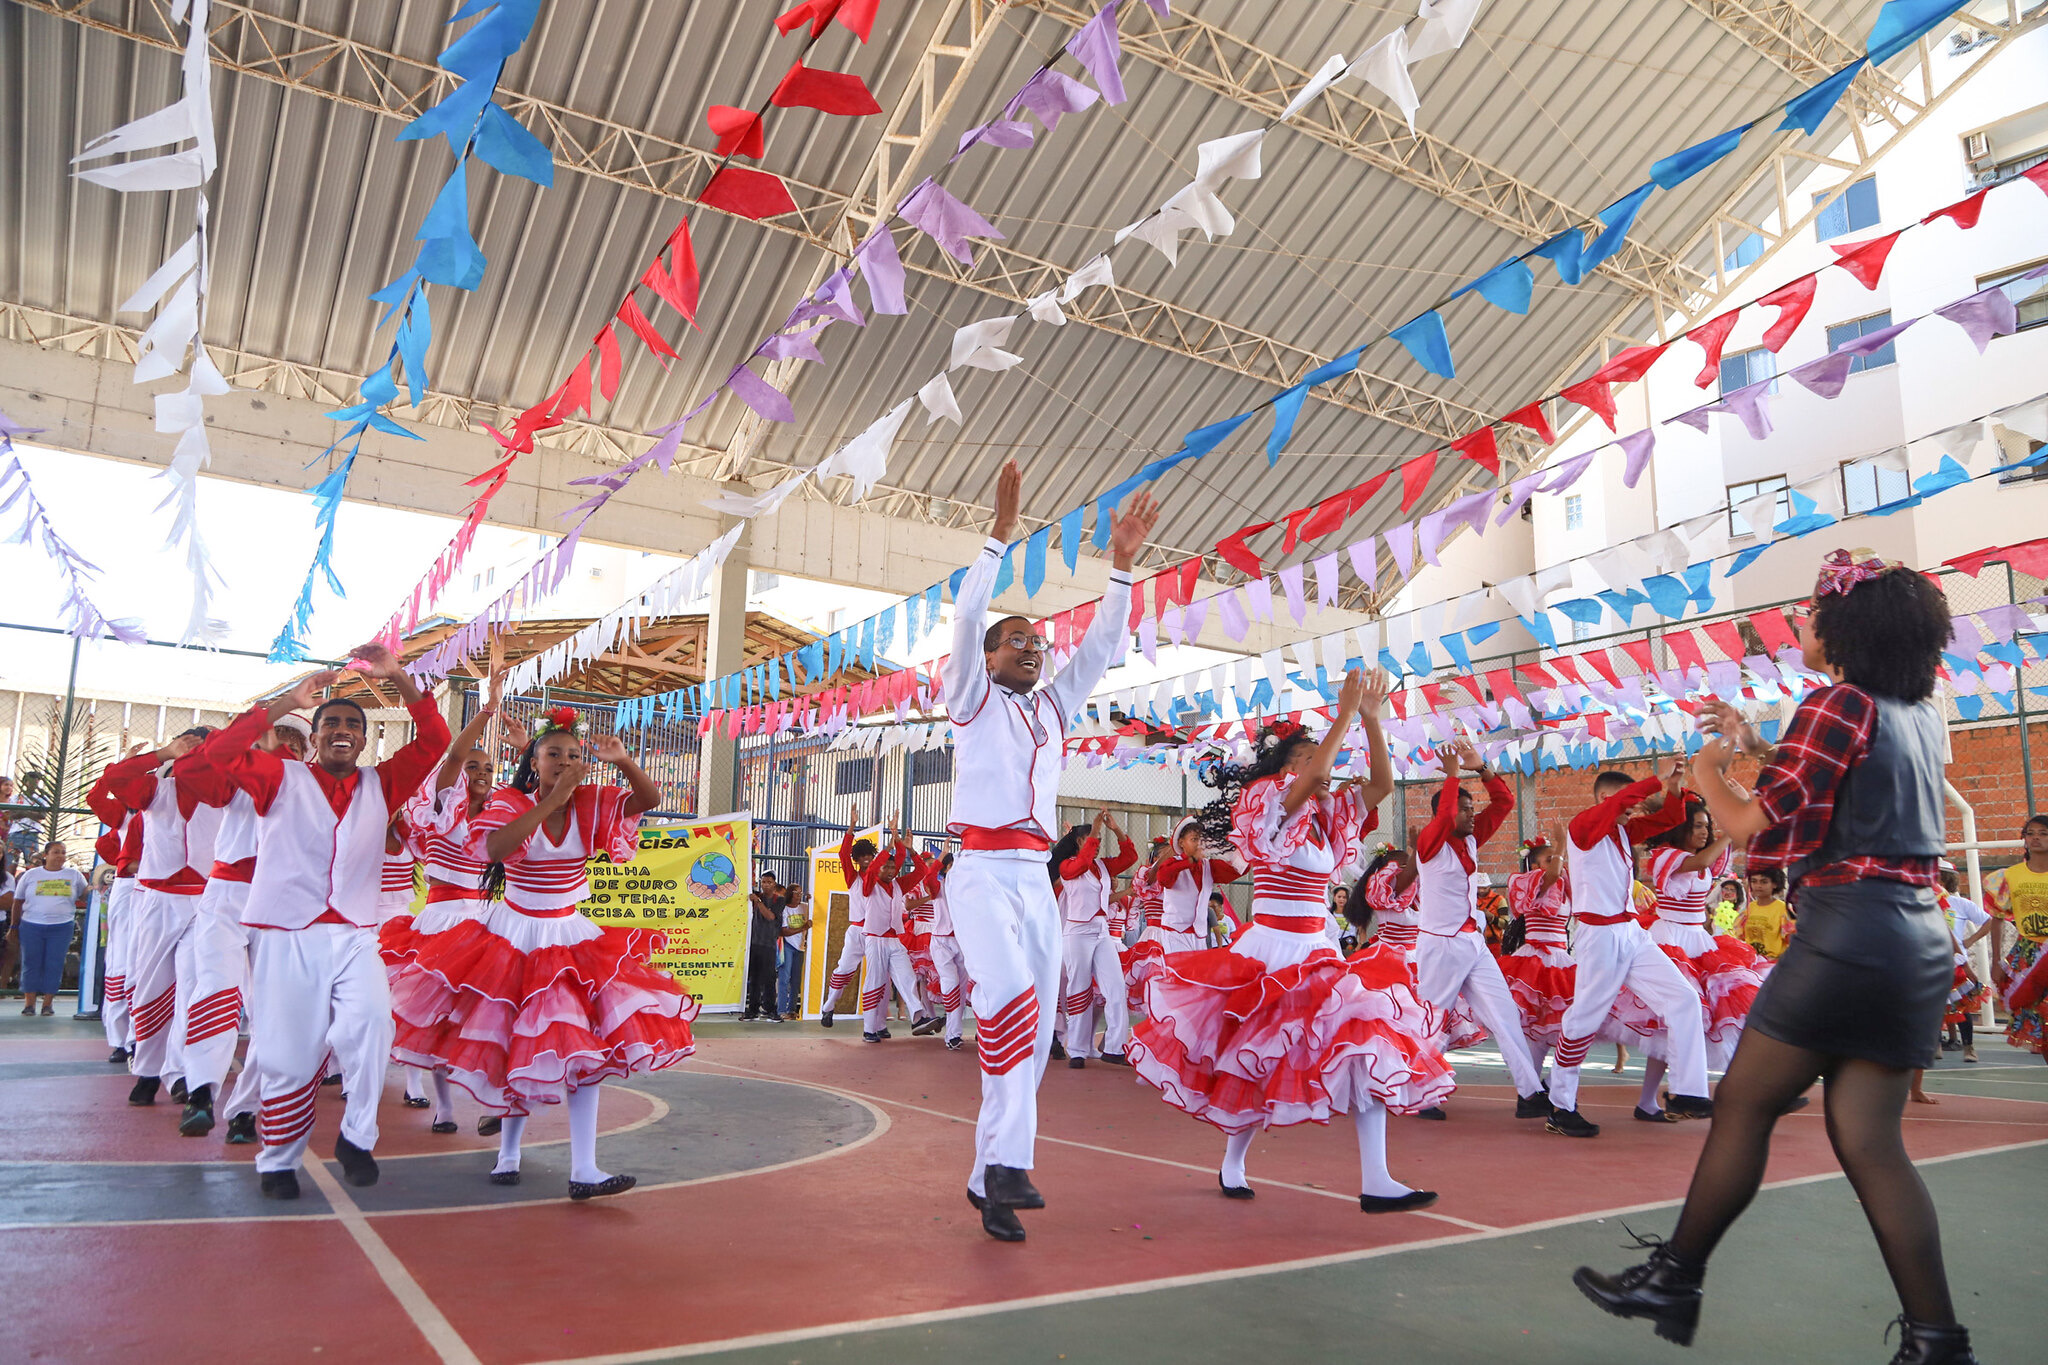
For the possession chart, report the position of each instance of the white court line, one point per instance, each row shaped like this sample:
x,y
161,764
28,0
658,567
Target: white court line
x,y
439,1332
702,1348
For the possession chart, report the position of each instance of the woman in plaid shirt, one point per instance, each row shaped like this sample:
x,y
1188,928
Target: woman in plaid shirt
x,y
1850,805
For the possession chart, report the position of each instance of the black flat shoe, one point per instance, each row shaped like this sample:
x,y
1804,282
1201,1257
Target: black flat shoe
x,y
1654,1115
1075,1064
825,1019
178,1090
884,1034
1001,1223
1235,1191
144,1090
1059,1050
1662,1289
444,1126
508,1178
1689,1106
278,1184
242,1130
1414,1199
618,1184
1570,1123
489,1125
1115,1059
1435,1111
417,1102
358,1167
1011,1187
117,1057
1536,1106
867,1037
1924,1344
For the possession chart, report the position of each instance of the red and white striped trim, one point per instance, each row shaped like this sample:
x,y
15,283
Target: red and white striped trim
x,y
872,1000
217,1013
115,988
1572,1051
1273,882
1545,929
953,1000
287,1118
154,1016
838,981
1400,935
1008,1036
1078,1002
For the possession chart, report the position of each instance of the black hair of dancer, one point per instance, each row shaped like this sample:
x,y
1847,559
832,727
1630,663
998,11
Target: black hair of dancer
x,y
1857,1000
1275,746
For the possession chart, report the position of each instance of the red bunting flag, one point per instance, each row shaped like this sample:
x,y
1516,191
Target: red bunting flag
x,y
1238,555
574,395
1567,665
739,131
677,283
1295,520
1685,647
1188,572
1329,515
1791,301
1593,395
1536,673
1415,478
1712,335
1502,681
1602,664
1137,605
747,194
1367,491
630,314
1727,638
2028,557
1639,651
1399,702
1532,417
1772,630
1434,694
1964,211
857,16
1481,448
828,92
607,363
1865,260
1631,364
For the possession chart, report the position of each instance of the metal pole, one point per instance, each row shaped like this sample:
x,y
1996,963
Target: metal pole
x,y
2019,696
56,794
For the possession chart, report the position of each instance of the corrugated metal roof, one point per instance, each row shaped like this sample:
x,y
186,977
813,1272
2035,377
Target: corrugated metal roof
x,y
315,206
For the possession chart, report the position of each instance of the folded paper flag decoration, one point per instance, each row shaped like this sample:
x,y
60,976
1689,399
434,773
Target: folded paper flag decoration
x,y
1809,109
747,193
1674,170
1427,341
1051,95
1097,47
829,92
1415,479
739,131
1791,300
1481,448
1901,23
1615,221
936,213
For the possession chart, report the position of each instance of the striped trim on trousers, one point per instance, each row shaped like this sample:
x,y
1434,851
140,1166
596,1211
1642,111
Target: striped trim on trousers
x,y
154,1016
1572,1051
872,1000
1008,1036
1079,1001
953,1000
115,988
217,1013
287,1118
838,981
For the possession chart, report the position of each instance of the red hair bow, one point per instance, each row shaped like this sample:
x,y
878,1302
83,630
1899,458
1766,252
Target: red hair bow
x,y
1842,571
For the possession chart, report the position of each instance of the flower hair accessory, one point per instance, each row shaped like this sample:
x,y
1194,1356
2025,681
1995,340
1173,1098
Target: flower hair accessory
x,y
1280,731
1842,570
559,719
1536,845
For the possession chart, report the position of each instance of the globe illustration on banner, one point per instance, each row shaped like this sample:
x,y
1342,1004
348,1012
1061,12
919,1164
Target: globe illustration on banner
x,y
711,876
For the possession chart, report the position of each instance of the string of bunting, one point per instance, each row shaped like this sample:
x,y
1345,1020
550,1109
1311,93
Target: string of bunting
x,y
177,291
86,620
476,127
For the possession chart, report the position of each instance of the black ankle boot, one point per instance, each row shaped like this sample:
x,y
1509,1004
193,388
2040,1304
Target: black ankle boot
x,y
1923,1344
1663,1289
1010,1187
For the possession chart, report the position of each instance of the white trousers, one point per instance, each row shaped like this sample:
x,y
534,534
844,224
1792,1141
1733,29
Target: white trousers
x,y
1008,928
213,967
851,951
887,964
1609,957
120,913
161,921
315,988
1451,965
1089,959
952,973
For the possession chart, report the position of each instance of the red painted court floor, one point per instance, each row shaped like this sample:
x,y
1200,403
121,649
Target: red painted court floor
x,y
793,1180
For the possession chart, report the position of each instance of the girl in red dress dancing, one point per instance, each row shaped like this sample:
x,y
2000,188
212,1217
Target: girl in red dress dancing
x,y
532,1003
1539,972
1278,1029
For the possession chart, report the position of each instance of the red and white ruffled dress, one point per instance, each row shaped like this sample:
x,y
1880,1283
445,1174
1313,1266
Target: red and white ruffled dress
x,y
1726,970
530,999
1399,917
1277,1028
439,821
395,886
1141,959
1540,973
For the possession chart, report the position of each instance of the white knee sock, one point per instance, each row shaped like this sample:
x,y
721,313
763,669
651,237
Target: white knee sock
x,y
583,1137
509,1133
1653,1076
1370,1119
1235,1148
444,1100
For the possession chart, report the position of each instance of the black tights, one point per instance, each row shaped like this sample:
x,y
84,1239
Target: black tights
x,y
1865,1103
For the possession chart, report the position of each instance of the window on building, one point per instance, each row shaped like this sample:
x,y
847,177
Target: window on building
x,y
1581,630
929,767
1866,483
2008,148
1852,210
490,576
1748,367
476,582
1574,511
1842,333
2030,297
1739,493
855,777
1746,252
2030,474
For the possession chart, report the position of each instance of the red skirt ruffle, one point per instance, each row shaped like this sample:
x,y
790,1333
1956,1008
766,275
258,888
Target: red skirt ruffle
x,y
397,941
1728,976
1542,980
1241,1047
1141,963
515,1028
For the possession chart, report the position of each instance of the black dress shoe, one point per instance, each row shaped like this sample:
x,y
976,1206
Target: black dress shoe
x,y
1663,1289
117,1056
443,1126
1536,1106
1115,1059
178,1090
1400,1203
1059,1049
1689,1106
825,1019
358,1167
1654,1115
1075,1063
241,1130
144,1090
1001,1223
1570,1123
1923,1343
504,1177
489,1125
417,1101
1011,1187
278,1184
197,1120
1435,1111
750,1016
618,1184
1235,1191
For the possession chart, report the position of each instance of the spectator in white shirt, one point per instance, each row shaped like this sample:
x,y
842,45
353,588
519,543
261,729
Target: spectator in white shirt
x,y
42,903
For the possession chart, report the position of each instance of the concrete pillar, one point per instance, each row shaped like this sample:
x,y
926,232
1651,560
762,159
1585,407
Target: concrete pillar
x,y
725,650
